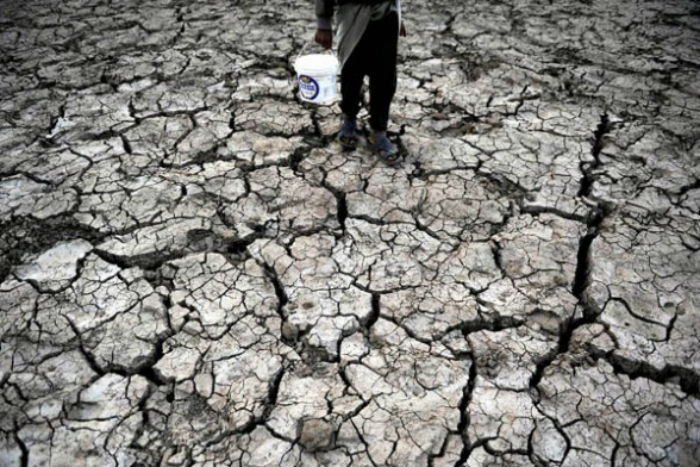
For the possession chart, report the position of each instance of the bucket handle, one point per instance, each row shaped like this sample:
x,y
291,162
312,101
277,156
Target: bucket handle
x,y
305,47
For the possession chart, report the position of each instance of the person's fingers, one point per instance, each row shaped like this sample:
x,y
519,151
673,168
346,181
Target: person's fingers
x,y
324,38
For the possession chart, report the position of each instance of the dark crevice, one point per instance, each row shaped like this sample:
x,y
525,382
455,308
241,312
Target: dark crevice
x,y
348,385
603,128
374,315
198,241
588,168
613,454
240,247
583,260
578,289
25,236
146,418
496,324
507,188
496,251
341,204
291,335
342,209
365,443
583,263
143,368
692,186
282,298
272,393
566,330
232,122
126,144
669,328
688,380
24,451
440,453
425,229
535,458
269,405
531,447
295,159
464,418
536,210
29,175
581,279
317,126
148,261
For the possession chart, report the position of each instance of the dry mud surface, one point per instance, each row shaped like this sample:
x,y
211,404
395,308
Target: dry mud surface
x,y
192,273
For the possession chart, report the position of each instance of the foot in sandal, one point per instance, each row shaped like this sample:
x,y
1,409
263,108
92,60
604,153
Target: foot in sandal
x,y
385,149
347,136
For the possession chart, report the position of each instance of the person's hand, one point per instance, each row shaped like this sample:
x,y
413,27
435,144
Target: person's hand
x,y
402,30
324,38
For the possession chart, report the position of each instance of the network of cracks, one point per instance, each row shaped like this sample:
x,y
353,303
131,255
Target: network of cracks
x,y
193,273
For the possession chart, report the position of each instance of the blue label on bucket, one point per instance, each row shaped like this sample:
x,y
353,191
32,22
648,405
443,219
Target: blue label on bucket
x,y
308,87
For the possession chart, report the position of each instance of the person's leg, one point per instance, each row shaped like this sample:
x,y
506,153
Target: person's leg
x,y
382,84
351,77
351,84
382,69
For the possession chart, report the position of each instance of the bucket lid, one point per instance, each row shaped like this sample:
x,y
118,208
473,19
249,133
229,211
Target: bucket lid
x,y
317,63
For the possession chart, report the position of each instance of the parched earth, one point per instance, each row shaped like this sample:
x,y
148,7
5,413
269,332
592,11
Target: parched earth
x,y
193,273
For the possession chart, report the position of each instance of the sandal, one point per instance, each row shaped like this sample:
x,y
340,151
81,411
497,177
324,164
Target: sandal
x,y
385,149
347,136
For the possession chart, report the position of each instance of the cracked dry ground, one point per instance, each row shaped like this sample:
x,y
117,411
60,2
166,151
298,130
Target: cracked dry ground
x,y
194,274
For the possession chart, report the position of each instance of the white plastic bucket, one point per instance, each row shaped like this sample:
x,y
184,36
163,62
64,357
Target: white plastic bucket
x,y
317,77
